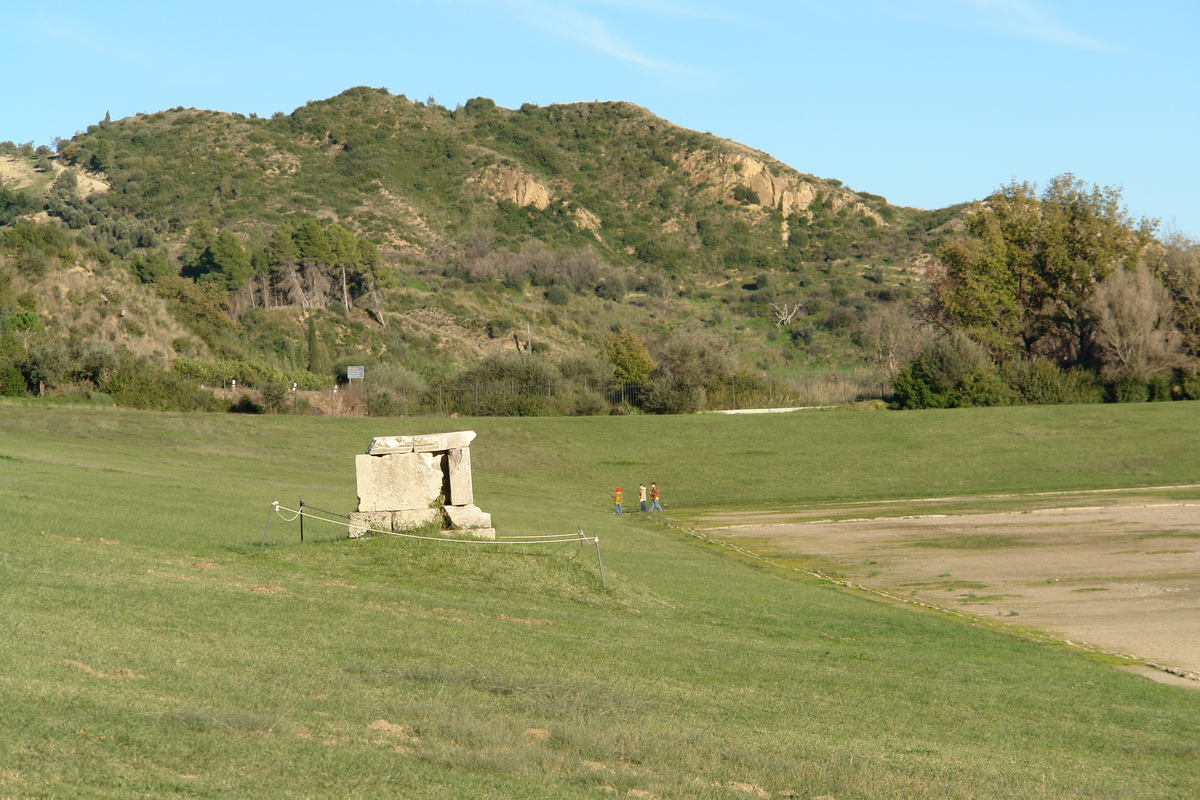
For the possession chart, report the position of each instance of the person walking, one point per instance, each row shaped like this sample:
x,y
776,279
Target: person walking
x,y
654,504
616,496
642,496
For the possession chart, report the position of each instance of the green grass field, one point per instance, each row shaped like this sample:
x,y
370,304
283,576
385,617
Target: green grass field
x,y
152,649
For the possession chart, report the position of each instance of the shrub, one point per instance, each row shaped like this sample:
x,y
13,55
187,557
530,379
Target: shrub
x,y
951,373
586,370
666,395
382,403
1043,383
500,402
46,362
1129,390
613,288
12,382
245,405
139,384
274,396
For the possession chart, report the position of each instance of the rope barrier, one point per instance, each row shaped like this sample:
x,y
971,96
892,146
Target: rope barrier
x,y
551,539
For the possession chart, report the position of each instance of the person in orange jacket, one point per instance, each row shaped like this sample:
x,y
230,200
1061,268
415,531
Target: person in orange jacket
x,y
616,496
654,504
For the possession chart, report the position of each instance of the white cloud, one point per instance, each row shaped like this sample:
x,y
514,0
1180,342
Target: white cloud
x,y
564,21
1029,20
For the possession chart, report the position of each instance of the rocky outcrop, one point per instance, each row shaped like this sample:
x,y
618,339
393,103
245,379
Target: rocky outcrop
x,y
719,173
508,183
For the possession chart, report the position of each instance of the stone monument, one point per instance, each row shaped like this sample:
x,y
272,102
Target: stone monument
x,y
406,482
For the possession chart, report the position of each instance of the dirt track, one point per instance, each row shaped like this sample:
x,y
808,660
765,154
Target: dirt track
x,y
1117,571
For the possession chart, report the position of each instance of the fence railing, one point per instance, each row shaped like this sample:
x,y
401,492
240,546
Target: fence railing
x,y
514,398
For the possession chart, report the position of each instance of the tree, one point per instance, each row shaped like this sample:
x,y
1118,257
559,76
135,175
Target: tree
x,y
695,356
783,312
228,261
628,355
1179,271
1021,282
1135,331
893,334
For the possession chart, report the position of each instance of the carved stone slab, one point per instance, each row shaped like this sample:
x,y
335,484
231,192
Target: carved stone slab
x,y
426,443
460,491
399,482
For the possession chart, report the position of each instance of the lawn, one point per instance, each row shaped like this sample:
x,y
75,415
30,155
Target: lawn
x,y
153,649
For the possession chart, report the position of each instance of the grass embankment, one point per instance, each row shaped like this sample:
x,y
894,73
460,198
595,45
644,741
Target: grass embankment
x,y
152,649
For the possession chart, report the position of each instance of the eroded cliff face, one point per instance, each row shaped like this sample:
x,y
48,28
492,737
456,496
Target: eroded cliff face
x,y
510,183
719,173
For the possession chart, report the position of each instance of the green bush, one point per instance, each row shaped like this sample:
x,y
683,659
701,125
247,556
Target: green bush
x,y
952,373
274,397
588,402
1043,383
247,372
500,402
1129,390
12,382
667,396
139,384
245,405
382,403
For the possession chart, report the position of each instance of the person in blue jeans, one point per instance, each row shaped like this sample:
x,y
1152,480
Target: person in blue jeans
x,y
654,504
642,496
616,496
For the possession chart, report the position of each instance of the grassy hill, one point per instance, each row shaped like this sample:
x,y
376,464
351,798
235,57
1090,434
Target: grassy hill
x,y
154,649
566,222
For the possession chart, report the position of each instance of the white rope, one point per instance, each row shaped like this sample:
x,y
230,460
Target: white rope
x,y
275,505
556,539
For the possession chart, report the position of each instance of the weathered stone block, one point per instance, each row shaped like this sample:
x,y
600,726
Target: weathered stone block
x,y
399,481
361,522
388,445
414,518
435,442
460,491
469,516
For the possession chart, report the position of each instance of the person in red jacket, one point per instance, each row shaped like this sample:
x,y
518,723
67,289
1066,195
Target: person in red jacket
x,y
654,504
616,496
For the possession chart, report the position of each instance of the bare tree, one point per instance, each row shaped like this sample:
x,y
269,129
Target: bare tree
x,y
783,312
293,286
1135,330
894,334
1180,273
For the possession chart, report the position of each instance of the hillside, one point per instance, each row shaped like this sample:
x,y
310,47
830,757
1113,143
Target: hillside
x,y
561,224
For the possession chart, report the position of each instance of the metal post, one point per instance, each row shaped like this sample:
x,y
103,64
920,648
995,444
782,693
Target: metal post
x,y
596,541
302,519
270,511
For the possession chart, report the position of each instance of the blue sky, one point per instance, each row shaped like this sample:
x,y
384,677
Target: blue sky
x,y
927,102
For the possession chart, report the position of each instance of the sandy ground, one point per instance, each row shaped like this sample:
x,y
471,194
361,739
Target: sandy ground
x,y
1116,571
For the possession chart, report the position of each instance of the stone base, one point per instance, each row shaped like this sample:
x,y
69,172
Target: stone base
x,y
414,518
362,522
478,533
467,516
